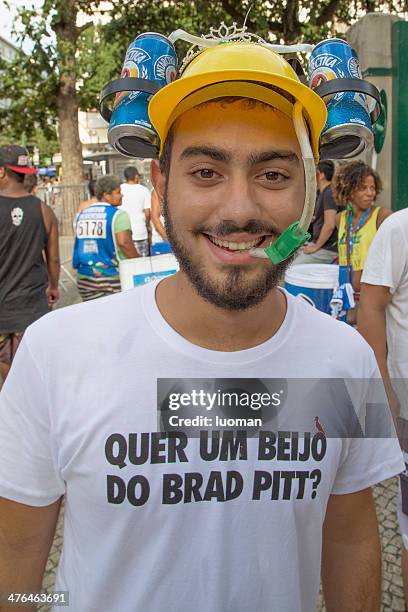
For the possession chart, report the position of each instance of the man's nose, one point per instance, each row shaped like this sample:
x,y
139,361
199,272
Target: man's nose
x,y
238,201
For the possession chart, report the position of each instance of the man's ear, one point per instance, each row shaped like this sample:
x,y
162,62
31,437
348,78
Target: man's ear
x,y
158,181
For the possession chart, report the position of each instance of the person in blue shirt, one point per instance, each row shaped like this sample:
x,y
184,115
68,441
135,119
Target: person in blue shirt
x,y
103,236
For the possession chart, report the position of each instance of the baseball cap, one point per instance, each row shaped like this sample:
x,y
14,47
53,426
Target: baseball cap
x,y
16,158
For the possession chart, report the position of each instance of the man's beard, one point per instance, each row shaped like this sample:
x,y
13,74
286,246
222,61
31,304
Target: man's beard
x,y
235,291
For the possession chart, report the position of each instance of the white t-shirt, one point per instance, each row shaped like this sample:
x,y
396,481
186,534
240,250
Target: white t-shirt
x,y
136,199
155,234
387,265
84,383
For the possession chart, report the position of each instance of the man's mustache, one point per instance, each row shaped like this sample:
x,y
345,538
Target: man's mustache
x,y
224,228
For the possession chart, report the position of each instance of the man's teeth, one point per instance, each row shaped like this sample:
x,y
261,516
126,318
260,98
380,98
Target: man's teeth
x,y
235,246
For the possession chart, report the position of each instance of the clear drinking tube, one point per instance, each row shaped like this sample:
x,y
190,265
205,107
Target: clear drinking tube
x,y
308,165
309,172
213,42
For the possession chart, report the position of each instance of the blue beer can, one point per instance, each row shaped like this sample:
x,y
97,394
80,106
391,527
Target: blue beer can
x,y
348,118
150,56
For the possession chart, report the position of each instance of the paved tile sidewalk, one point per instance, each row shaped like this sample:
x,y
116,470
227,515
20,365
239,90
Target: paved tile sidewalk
x,y
53,560
385,495
392,589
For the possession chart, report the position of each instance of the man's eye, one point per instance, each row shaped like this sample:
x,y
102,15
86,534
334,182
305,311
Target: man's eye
x,y
204,173
274,177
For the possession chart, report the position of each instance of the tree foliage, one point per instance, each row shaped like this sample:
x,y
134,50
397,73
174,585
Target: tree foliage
x,y
65,57
282,21
59,49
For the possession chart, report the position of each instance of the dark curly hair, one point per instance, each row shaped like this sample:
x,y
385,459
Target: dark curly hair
x,y
349,177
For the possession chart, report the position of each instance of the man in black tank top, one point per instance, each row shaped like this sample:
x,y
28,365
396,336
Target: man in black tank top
x,y
29,254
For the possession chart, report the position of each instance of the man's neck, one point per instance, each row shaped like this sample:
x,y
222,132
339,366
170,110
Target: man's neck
x,y
323,185
13,190
214,328
132,182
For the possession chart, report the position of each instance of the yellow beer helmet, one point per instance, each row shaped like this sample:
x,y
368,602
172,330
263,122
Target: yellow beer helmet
x,y
243,69
251,70
232,62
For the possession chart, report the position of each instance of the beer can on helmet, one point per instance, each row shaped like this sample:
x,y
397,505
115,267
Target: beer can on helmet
x,y
348,126
150,56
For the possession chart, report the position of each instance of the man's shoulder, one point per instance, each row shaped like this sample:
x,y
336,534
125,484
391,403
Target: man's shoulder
x,y
103,318
120,213
314,319
23,199
332,340
135,187
392,236
328,199
36,200
398,219
134,195
94,207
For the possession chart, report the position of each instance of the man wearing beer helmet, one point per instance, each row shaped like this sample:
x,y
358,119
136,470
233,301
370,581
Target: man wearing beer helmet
x,y
161,519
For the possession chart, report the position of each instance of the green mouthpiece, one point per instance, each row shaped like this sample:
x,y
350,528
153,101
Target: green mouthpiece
x,y
287,243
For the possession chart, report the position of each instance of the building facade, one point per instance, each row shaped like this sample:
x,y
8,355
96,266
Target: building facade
x,y
8,52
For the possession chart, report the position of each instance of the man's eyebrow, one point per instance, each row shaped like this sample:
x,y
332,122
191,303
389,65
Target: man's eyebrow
x,y
265,156
213,152
222,155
